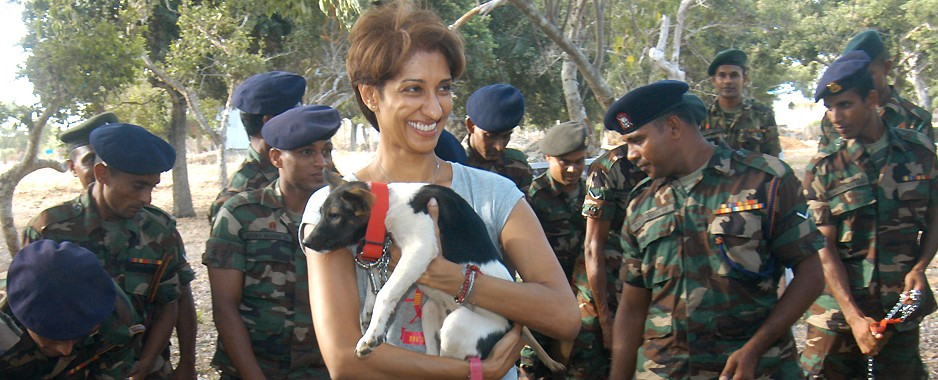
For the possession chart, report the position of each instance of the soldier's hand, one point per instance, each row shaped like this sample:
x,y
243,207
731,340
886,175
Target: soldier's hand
x,y
915,280
605,323
141,369
185,371
741,365
869,343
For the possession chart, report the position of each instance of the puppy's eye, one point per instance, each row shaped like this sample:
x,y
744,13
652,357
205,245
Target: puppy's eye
x,y
333,215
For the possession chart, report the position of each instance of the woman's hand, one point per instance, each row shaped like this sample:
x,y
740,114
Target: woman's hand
x,y
441,273
504,355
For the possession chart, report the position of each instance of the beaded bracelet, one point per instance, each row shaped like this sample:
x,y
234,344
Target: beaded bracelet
x,y
471,272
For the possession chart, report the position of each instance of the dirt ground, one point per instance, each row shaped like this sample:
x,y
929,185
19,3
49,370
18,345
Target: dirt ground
x,y
47,187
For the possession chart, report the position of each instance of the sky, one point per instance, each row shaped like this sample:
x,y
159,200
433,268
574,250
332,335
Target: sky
x,y
14,90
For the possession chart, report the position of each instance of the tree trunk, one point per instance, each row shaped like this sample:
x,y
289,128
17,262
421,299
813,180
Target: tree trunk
x,y
182,197
919,63
12,177
568,71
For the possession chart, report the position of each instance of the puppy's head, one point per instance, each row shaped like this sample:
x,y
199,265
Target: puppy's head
x,y
344,217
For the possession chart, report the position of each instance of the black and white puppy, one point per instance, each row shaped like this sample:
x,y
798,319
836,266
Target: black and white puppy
x,y
464,330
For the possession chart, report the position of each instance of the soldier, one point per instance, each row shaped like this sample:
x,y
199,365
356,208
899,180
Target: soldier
x,y
260,293
78,326
739,120
556,196
80,156
492,112
449,148
895,110
871,193
137,243
260,98
705,240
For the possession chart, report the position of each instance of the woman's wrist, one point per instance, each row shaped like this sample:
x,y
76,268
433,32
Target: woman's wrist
x,y
475,368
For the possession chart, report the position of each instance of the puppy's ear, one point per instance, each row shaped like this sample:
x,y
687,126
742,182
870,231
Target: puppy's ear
x,y
360,198
333,179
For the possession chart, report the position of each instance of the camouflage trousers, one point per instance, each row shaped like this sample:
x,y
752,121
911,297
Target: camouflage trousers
x,y
585,357
834,355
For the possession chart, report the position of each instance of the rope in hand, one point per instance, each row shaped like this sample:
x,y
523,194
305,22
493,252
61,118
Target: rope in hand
x,y
908,303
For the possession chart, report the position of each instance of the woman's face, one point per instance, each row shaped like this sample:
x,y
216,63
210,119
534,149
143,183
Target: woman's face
x,y
412,108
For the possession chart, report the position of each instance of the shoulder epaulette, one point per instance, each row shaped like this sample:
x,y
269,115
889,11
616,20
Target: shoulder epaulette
x,y
769,164
56,214
915,137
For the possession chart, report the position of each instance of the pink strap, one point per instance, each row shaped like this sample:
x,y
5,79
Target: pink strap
x,y
475,368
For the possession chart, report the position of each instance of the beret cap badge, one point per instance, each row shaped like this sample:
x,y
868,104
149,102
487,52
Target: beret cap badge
x,y
624,121
834,87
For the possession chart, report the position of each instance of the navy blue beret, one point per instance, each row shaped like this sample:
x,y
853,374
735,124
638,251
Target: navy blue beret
x,y
301,126
59,291
846,72
868,41
449,148
132,149
696,107
77,136
733,57
496,108
644,104
269,93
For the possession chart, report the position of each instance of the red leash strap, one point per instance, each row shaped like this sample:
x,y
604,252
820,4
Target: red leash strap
x,y
372,247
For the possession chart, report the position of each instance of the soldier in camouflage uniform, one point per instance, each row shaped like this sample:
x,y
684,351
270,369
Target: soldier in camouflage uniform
x,y
137,243
79,155
257,270
871,193
895,110
556,196
260,98
705,241
741,122
492,112
97,342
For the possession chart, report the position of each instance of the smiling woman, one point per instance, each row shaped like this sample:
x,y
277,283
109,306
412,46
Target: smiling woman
x,y
402,63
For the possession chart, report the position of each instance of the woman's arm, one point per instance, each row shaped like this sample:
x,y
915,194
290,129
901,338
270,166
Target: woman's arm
x,y
335,308
543,302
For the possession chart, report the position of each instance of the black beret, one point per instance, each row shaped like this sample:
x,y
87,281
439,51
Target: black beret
x,y
77,136
496,108
449,148
733,57
644,104
269,93
696,107
564,138
132,149
59,291
868,41
301,126
844,73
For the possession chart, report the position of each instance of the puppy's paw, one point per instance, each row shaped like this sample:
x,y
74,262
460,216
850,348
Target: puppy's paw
x,y
554,366
366,346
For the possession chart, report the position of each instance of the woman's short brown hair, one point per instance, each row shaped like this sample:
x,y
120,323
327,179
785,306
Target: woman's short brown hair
x,y
384,37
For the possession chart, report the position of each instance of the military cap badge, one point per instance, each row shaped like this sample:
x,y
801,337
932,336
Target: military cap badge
x,y
624,121
834,87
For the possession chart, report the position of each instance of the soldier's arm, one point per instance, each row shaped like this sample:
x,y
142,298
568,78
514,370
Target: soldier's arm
x,y
186,328
915,279
628,329
227,290
160,329
594,252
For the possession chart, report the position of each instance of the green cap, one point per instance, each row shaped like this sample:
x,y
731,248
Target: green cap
x,y
697,107
77,136
733,57
870,41
564,138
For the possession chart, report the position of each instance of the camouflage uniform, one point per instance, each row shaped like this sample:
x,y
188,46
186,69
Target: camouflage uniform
x,y
144,255
559,214
107,354
254,173
897,112
711,259
878,210
752,127
255,234
512,165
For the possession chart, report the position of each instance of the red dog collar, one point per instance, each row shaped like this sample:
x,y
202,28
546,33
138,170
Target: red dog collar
x,y
372,247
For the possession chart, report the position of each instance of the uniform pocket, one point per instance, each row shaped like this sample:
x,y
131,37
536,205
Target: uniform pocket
x,y
269,279
739,238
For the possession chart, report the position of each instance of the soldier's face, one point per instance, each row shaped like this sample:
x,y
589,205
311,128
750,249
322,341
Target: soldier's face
x,y
649,149
302,168
568,168
413,107
123,194
53,348
489,145
81,163
879,71
728,80
853,116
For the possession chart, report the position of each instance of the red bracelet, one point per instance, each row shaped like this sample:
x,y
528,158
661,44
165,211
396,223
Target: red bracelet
x,y
471,272
475,368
